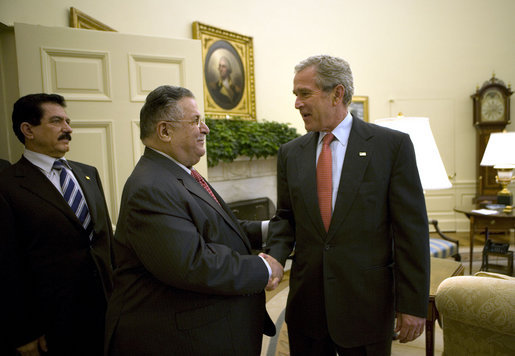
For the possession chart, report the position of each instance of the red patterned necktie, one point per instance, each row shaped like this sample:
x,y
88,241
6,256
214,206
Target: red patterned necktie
x,y
203,183
325,180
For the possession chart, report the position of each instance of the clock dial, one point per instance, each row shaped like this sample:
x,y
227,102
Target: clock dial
x,y
492,106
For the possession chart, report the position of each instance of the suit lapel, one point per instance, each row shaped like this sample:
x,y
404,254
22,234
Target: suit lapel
x,y
195,188
357,157
306,170
34,181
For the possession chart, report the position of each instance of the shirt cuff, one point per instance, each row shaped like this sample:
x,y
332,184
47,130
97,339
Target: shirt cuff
x,y
267,267
264,231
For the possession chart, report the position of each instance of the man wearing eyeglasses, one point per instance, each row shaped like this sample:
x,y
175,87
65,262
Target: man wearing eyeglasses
x,y
186,282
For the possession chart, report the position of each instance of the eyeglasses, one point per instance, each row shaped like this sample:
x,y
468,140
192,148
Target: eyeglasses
x,y
198,121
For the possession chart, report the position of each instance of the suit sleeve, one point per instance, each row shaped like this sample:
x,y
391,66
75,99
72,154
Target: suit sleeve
x,y
21,315
410,233
187,251
281,236
253,231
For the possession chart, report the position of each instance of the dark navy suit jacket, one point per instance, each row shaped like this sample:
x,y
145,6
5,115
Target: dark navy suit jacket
x,y
186,282
374,259
55,281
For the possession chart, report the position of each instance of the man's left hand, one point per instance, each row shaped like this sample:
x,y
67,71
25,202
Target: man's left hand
x,y
409,327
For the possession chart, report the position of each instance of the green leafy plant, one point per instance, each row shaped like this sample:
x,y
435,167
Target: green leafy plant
x,y
229,139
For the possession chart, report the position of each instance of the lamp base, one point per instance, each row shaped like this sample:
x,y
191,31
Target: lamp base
x,y
505,199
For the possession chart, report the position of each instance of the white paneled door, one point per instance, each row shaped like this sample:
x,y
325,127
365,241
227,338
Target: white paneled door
x,y
105,78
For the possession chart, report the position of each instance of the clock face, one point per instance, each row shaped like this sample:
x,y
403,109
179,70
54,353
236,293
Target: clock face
x,y
492,106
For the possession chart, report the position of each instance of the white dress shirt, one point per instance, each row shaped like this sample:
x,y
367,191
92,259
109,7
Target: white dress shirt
x,y
45,164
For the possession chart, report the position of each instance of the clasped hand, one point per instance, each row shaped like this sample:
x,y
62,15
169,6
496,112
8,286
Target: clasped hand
x,y
277,271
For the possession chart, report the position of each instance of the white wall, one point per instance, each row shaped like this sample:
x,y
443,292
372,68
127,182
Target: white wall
x,y
426,55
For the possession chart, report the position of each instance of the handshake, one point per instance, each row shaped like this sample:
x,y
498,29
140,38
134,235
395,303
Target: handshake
x,y
277,271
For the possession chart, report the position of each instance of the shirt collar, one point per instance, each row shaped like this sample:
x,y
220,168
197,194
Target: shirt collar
x,y
173,160
42,161
341,132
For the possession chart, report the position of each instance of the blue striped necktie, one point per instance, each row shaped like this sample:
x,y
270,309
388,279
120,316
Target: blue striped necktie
x,y
73,196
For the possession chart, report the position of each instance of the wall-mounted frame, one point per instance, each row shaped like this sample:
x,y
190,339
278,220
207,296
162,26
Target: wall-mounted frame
x,y
78,19
359,107
228,67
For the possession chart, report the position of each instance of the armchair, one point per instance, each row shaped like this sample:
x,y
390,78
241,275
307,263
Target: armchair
x,y
477,314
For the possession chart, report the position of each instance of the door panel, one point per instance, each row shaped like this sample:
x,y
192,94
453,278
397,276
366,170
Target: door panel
x,y
105,78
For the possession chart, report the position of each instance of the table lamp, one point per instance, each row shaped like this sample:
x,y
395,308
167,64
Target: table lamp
x,y
429,163
500,153
430,166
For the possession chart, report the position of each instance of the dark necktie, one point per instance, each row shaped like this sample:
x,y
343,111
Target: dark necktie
x,y
203,183
325,180
73,196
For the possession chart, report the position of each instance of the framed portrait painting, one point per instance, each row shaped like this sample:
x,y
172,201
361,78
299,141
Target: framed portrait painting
x,y
79,19
228,66
359,107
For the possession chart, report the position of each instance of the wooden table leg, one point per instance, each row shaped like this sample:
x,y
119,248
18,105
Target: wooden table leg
x,y
432,316
430,337
472,233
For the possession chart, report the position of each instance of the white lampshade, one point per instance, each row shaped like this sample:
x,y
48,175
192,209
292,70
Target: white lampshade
x,y
430,165
500,150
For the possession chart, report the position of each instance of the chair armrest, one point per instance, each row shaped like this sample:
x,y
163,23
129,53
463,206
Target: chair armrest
x,y
441,234
457,257
478,301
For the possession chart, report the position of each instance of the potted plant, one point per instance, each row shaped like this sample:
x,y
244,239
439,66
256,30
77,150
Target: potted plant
x,y
229,139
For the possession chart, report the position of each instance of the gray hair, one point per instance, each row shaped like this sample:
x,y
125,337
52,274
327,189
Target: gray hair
x,y
227,63
330,72
162,105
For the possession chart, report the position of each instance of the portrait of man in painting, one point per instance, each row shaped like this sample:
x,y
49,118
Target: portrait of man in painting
x,y
359,107
224,73
356,109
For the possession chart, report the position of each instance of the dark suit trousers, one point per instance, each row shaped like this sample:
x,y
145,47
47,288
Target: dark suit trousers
x,y
79,329
302,345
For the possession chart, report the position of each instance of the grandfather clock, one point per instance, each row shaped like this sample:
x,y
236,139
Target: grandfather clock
x,y
491,114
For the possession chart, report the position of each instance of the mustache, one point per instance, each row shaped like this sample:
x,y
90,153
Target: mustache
x,y
65,136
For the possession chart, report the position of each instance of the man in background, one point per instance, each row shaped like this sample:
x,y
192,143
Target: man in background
x,y
186,282
351,204
55,262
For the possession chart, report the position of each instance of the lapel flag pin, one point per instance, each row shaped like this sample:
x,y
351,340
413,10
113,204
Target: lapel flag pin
x,y
362,154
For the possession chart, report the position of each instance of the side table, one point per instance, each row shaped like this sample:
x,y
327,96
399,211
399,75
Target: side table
x,y
478,222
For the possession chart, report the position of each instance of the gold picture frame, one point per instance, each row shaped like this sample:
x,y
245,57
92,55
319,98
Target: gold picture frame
x,y
78,19
228,71
359,107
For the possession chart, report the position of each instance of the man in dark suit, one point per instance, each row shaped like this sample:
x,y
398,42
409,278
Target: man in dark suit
x,y
186,282
352,206
55,265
